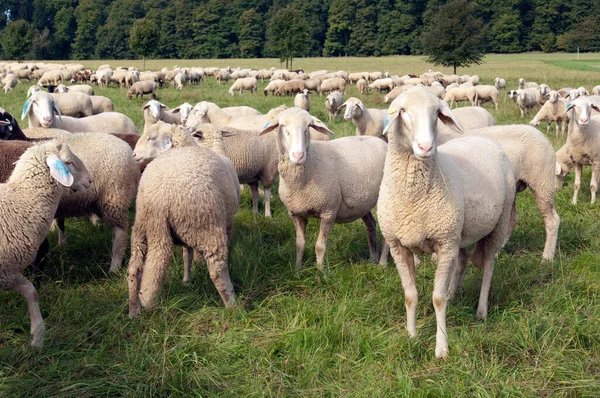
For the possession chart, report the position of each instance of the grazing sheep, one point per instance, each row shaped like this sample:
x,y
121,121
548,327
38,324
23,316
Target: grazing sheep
x,y
367,121
291,87
523,84
361,84
28,202
81,88
302,100
313,85
460,93
142,87
386,84
273,86
179,80
333,103
41,109
51,77
564,164
192,194
452,213
244,83
333,84
552,111
486,93
10,82
101,104
326,180
583,141
392,95
500,83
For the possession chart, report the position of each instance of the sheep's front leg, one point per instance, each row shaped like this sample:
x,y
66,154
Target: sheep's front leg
x,y
119,242
267,202
26,288
459,273
254,190
369,221
577,183
300,224
446,261
321,245
385,251
406,268
188,255
594,182
62,236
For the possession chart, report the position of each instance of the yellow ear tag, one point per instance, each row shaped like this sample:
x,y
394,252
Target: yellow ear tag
x,y
318,121
391,111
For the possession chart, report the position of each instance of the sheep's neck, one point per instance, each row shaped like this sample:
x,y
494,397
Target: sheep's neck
x,y
294,175
362,122
218,116
414,177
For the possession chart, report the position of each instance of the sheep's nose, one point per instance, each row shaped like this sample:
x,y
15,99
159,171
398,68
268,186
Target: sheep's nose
x,y
47,118
297,157
426,147
583,121
135,155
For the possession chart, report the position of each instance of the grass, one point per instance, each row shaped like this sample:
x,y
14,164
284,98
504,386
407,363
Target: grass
x,y
338,333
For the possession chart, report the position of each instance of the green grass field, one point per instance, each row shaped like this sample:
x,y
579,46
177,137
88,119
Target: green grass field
x,y
307,333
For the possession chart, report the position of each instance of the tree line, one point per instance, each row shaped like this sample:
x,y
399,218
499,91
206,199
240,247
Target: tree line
x,y
102,29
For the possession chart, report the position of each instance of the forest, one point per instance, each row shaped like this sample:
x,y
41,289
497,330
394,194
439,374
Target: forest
x,y
188,29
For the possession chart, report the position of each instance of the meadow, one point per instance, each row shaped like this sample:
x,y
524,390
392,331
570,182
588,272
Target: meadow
x,y
308,333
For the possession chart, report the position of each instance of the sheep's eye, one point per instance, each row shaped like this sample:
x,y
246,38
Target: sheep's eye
x,y
152,137
69,161
402,110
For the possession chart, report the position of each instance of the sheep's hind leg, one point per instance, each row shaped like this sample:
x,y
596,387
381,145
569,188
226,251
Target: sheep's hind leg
x,y
369,221
594,182
218,269
324,228
268,202
300,224
26,288
254,190
459,273
188,254
62,236
119,245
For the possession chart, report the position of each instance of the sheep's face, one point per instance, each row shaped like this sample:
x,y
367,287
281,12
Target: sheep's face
x,y
43,107
581,109
354,108
154,109
412,118
68,169
200,112
521,82
61,89
553,97
184,111
513,95
293,126
544,89
157,140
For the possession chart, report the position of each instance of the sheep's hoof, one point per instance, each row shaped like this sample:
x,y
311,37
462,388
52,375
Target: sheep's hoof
x,y
441,352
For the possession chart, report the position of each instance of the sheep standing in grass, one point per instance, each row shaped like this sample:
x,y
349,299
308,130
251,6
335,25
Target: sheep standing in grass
x,y
28,202
486,93
500,83
302,100
465,193
244,83
190,194
155,111
523,84
326,180
367,121
362,86
333,103
525,100
142,87
10,82
552,111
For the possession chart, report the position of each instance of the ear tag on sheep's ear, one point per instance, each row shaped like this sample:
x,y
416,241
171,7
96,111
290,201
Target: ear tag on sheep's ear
x,y
568,107
391,111
25,109
59,171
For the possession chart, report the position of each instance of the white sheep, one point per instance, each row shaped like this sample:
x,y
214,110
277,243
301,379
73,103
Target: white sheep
x,y
523,84
28,202
485,93
500,83
367,121
74,104
273,86
244,83
596,90
361,84
142,87
460,93
386,84
179,80
336,181
524,99
333,84
155,111
302,100
333,102
10,82
552,111
82,88
101,104
465,192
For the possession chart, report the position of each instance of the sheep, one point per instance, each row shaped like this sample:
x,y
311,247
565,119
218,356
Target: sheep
x,y
142,87
168,206
313,85
452,213
552,111
51,77
541,93
155,111
564,164
119,77
302,100
240,111
131,77
356,76
291,87
361,84
469,118
583,141
28,202
273,86
500,83
382,84
244,83
101,104
324,179
222,76
74,104
596,90
367,121
532,159
82,88
374,76
179,80
41,109
23,74
523,84
10,82
436,89
335,83
525,100
184,111
333,103
392,95
461,93
484,93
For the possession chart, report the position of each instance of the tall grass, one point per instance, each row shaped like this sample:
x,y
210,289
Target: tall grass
x,y
338,333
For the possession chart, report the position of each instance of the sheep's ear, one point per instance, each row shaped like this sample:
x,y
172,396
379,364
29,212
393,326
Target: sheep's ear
x,y
595,106
557,169
389,119
448,118
569,106
57,110
146,106
320,127
568,96
342,106
59,171
228,133
270,126
176,110
164,144
25,109
163,106
3,123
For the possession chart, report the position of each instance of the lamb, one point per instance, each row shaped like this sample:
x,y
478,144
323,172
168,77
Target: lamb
x,y
244,83
10,82
142,87
583,141
333,103
51,77
335,83
40,109
367,121
27,205
273,86
447,182
552,111
167,205
523,84
81,88
302,100
461,93
101,104
499,83
361,84
525,100
324,179
484,93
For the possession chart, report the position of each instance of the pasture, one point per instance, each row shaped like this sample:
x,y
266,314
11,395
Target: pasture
x,y
307,333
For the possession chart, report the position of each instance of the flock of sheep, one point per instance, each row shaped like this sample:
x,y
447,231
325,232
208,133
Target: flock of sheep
x,y
442,180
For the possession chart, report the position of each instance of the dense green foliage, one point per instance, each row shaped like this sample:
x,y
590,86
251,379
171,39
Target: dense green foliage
x,y
95,29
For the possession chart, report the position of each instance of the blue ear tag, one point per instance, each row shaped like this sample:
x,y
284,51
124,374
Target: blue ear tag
x,y
25,109
266,125
59,171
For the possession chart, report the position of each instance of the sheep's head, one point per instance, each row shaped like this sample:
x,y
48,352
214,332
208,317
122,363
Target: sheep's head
x,y
200,112
154,109
543,89
32,90
293,138
61,88
43,107
184,111
354,108
8,125
158,139
412,118
521,82
553,96
581,110
65,167
513,94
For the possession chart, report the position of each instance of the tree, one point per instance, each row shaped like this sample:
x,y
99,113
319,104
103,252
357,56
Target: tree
x,y
363,39
143,37
341,19
88,18
16,39
251,34
454,36
287,35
